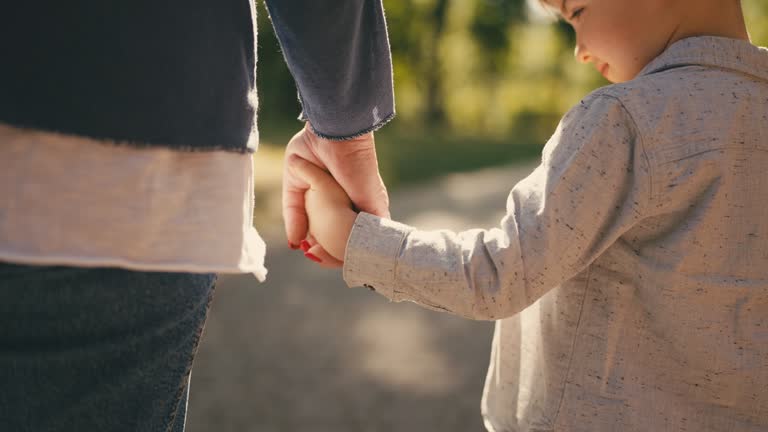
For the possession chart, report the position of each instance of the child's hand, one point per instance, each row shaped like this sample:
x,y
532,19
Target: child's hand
x,y
329,209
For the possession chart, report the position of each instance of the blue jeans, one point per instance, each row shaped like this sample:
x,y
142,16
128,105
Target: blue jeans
x,y
98,349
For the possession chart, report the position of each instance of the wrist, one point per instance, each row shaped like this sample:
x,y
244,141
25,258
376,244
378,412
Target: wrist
x,y
365,139
346,225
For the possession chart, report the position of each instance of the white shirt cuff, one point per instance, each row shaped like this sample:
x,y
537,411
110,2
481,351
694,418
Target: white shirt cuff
x,y
372,253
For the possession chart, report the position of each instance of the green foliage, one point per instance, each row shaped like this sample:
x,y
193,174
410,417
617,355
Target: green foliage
x,y
277,92
478,82
756,13
491,24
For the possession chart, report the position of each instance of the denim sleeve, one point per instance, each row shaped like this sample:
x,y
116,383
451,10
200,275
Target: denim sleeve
x,y
338,53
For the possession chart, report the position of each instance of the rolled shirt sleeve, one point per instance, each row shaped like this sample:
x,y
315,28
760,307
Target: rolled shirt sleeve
x,y
591,187
338,53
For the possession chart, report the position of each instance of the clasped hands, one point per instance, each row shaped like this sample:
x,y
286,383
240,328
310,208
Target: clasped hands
x,y
325,184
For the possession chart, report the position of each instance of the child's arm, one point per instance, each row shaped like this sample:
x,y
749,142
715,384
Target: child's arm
x,y
592,186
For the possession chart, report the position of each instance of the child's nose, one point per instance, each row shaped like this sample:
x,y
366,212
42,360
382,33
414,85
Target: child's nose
x,y
581,54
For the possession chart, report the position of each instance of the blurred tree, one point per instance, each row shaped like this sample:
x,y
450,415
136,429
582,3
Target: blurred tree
x,y
279,100
433,72
491,26
493,70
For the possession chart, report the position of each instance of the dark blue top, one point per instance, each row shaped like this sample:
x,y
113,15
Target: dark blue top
x,y
177,73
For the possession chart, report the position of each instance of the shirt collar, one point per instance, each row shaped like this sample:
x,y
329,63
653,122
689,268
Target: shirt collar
x,y
726,53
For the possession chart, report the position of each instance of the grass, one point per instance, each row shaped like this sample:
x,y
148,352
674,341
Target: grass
x,y
406,158
408,155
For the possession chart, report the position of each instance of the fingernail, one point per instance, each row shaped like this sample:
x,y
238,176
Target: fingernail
x,y
312,257
292,246
305,245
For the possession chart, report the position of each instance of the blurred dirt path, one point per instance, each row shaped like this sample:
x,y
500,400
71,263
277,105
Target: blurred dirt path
x,y
302,352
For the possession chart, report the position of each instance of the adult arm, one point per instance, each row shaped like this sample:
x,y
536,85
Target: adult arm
x,y
338,54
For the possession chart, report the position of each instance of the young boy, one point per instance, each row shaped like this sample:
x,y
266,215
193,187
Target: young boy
x,y
630,275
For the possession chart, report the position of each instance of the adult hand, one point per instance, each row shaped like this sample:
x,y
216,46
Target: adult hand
x,y
352,163
329,209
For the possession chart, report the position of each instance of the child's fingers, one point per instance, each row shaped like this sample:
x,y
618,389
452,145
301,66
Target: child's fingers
x,y
315,252
315,176
324,259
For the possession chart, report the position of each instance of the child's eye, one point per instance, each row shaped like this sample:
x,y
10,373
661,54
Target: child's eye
x,y
577,13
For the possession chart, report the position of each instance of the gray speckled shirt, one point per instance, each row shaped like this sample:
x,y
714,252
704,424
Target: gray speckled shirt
x,y
629,277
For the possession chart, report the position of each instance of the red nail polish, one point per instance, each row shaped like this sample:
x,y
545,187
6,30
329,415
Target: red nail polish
x,y
312,257
292,246
305,245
